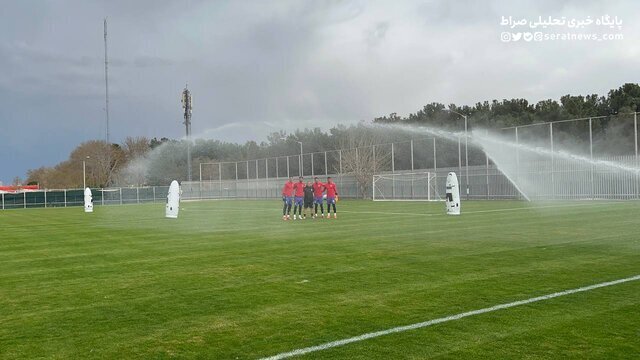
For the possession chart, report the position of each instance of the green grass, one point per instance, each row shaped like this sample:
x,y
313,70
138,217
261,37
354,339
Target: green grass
x,y
231,280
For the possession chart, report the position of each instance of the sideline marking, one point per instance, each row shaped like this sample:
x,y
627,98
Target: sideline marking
x,y
421,214
480,211
398,329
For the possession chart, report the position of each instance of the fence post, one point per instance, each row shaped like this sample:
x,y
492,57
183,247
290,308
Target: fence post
x,y
2,201
635,137
137,195
340,166
591,156
393,170
120,196
435,166
411,154
487,161
277,169
312,173
517,156
459,158
326,172
24,199
266,178
200,165
435,163
154,194
65,197
247,179
45,198
553,182
393,159
220,180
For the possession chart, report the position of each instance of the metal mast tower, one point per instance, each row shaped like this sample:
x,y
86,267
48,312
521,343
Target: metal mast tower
x,y
106,80
187,106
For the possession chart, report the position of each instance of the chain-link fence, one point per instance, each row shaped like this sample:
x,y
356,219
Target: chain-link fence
x,y
75,197
596,140
543,157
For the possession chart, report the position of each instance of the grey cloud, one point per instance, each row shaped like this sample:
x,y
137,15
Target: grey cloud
x,y
257,66
376,34
151,61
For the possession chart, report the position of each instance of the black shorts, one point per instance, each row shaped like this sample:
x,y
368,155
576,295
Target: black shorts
x,y
308,204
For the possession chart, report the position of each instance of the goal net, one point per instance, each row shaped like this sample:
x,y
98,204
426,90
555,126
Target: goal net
x,y
419,186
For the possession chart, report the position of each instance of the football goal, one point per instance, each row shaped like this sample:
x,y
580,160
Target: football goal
x,y
416,186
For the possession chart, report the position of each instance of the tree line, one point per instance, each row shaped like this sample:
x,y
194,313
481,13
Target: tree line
x,y
143,161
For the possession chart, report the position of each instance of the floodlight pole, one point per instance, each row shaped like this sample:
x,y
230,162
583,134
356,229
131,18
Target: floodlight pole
x,y
187,104
106,81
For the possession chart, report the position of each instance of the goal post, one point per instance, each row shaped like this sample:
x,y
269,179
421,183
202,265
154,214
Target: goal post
x,y
414,186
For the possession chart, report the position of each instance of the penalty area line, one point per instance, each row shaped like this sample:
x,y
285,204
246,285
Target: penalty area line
x,y
399,329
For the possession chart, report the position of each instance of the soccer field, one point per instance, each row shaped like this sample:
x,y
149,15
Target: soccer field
x,y
231,280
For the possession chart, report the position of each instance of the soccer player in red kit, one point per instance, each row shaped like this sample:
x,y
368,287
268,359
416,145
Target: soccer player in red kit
x,y
298,199
318,189
287,198
332,193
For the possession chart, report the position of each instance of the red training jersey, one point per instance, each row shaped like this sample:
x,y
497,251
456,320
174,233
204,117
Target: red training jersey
x,y
318,189
332,191
299,187
287,190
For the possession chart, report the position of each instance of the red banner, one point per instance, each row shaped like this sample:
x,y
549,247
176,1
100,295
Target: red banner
x,y
19,188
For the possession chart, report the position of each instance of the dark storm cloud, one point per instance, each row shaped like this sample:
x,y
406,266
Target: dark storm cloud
x,y
261,66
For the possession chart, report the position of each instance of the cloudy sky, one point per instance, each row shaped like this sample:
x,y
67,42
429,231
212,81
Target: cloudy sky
x,y
259,66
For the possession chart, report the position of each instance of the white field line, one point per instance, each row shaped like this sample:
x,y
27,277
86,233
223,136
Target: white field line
x,y
416,214
399,329
480,211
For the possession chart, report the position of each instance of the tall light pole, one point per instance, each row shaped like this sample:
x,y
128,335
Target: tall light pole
x,y
301,162
106,81
187,103
84,172
466,148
